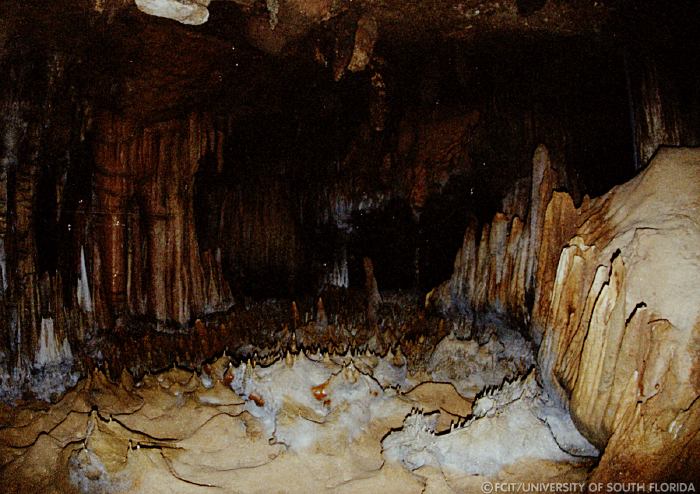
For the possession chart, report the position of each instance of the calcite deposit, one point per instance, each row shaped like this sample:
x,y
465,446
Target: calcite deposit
x,y
307,422
616,311
144,201
348,246
621,332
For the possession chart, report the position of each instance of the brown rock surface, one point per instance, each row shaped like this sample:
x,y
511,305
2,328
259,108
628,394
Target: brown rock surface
x,y
147,246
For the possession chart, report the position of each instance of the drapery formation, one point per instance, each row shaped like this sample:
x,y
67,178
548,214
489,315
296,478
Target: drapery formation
x,y
609,290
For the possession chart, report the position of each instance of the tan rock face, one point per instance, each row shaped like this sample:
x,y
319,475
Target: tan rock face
x,y
621,332
616,306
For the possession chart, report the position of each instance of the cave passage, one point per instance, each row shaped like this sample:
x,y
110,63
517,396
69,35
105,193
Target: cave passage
x,y
408,246
307,187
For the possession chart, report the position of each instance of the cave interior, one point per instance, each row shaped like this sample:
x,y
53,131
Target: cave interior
x,y
348,246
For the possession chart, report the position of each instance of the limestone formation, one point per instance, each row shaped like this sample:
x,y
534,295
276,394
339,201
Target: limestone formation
x,y
305,422
620,338
185,11
617,312
348,246
498,267
145,203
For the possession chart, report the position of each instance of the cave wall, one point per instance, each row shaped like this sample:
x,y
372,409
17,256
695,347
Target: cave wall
x,y
665,106
147,259
660,59
614,306
452,141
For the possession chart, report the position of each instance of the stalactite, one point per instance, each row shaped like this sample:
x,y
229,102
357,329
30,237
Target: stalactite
x,y
3,268
339,276
218,292
51,350
83,290
148,247
34,323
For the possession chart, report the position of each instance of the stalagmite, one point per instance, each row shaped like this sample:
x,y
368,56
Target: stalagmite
x,y
83,290
339,276
51,351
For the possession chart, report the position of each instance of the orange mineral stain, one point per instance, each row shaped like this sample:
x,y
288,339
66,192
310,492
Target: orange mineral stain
x,y
258,400
319,391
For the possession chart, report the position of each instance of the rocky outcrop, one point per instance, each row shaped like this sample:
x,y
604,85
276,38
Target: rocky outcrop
x,y
615,305
621,330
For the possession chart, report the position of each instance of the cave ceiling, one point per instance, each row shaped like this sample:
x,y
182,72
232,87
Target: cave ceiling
x,y
153,57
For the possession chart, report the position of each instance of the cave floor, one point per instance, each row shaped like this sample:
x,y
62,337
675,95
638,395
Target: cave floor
x,y
472,411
